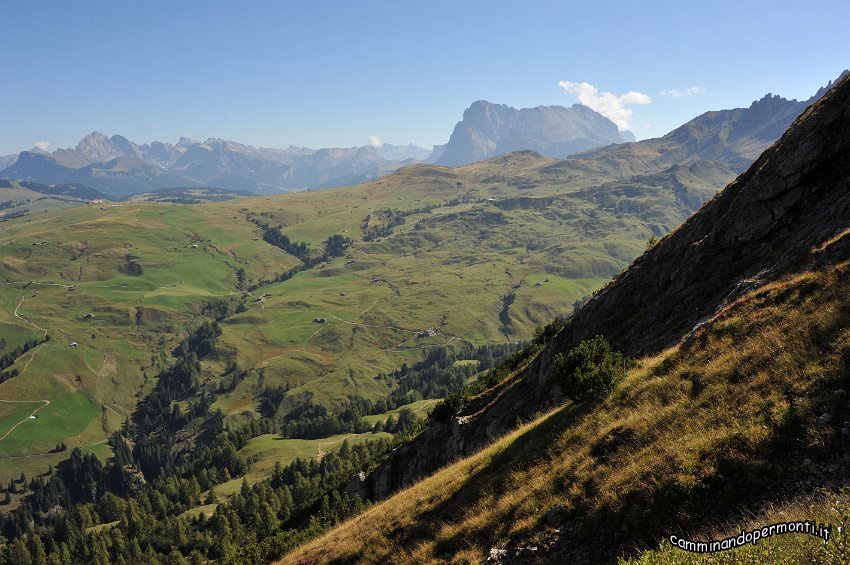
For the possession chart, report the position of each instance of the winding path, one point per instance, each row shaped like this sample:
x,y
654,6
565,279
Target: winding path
x,y
34,351
322,453
12,429
22,318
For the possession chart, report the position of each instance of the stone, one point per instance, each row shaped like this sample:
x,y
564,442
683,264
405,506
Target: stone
x,y
357,485
554,515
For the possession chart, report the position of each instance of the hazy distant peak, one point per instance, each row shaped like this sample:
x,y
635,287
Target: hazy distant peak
x,y
93,137
186,142
488,130
403,152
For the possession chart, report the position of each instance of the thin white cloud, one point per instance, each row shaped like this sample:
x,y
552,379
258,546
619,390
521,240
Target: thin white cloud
x,y
612,106
682,92
43,145
375,141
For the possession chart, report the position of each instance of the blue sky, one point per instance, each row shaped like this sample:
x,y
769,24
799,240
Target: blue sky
x,y
321,74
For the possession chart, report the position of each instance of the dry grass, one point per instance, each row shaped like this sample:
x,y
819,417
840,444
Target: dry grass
x,y
828,507
693,433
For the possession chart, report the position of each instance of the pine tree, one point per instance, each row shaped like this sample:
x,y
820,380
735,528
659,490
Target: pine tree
x,y
18,554
266,521
65,554
36,549
176,558
100,555
135,550
345,450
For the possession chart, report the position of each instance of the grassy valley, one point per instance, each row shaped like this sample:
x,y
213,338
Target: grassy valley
x,y
124,281
245,372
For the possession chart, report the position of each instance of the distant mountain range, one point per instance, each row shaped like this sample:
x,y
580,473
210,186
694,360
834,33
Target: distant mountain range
x,y
118,167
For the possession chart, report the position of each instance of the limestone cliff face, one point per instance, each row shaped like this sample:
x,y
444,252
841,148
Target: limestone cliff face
x,y
789,210
488,130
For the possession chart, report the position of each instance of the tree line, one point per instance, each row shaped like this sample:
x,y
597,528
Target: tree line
x,y
8,359
175,451
334,246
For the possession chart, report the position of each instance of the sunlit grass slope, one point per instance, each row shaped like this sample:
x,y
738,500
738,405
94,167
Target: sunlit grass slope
x,y
718,424
65,274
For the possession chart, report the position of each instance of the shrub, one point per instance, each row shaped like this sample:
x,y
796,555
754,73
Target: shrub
x,y
589,371
448,407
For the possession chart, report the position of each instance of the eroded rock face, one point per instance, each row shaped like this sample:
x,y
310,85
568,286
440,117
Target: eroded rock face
x,y
487,130
789,210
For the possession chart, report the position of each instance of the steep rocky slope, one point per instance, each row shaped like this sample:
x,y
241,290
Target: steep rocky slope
x,y
789,210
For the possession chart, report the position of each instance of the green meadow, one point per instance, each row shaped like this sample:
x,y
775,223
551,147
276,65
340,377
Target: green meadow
x,y
476,260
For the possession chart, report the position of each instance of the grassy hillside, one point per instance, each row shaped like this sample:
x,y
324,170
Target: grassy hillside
x,y
17,201
125,283
731,417
67,275
188,195
737,402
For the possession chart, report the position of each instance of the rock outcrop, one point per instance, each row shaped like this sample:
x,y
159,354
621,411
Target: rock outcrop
x,y
488,130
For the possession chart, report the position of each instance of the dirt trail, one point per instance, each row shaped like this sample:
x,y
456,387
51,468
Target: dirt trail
x,y
39,328
369,308
12,429
110,363
322,453
22,318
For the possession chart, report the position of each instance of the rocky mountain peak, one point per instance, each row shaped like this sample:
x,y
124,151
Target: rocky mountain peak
x,y
824,89
794,197
98,147
187,142
488,130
